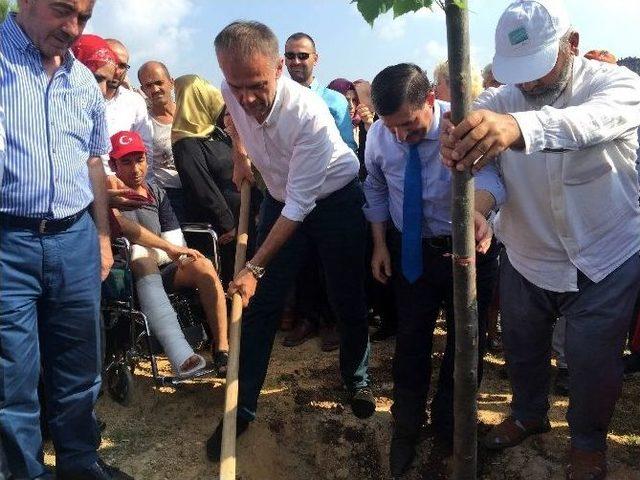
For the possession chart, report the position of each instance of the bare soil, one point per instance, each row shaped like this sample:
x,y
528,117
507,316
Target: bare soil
x,y
305,429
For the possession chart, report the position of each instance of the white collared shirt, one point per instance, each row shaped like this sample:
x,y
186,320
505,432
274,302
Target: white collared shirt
x,y
572,194
297,149
127,111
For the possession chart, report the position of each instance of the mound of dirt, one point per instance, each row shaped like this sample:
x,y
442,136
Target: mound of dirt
x,y
304,429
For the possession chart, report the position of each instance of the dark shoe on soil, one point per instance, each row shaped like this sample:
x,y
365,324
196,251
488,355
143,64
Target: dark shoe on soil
x,y
362,402
402,454
287,320
586,465
330,339
561,386
512,432
302,332
214,443
220,361
97,471
632,365
383,333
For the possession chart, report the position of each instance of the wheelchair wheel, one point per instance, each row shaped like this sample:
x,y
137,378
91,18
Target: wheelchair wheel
x,y
119,382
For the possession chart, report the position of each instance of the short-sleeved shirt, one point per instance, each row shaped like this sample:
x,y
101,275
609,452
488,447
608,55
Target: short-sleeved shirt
x,y
157,216
53,126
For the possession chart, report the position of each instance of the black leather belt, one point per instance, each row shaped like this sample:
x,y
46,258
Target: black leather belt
x,y
442,243
42,225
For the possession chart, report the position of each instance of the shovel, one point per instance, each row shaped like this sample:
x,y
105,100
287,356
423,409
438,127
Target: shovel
x,y
228,451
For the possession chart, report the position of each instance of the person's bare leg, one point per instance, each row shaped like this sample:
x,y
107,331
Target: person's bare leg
x,y
202,275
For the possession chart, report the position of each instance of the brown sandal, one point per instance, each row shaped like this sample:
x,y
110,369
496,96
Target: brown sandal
x,y
512,432
585,465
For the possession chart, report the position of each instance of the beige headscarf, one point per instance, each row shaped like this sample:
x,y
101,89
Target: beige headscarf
x,y
198,105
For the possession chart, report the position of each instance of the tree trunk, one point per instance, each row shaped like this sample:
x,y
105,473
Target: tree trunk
x,y
464,268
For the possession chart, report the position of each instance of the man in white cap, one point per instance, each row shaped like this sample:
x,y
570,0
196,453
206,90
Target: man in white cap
x,y
565,130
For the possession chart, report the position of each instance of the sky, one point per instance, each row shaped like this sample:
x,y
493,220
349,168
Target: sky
x,y
180,33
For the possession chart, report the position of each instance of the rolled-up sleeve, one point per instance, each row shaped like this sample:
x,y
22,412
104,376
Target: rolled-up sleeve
x,y
376,191
489,179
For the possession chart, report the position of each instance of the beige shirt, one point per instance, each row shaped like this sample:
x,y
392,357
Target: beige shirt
x,y
572,194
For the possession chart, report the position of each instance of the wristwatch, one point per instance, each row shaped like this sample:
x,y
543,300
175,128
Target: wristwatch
x,y
256,270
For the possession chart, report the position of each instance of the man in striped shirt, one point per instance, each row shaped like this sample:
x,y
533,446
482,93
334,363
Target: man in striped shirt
x,y
52,253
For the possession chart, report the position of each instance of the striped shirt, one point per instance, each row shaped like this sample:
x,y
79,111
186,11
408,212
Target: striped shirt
x,y
53,125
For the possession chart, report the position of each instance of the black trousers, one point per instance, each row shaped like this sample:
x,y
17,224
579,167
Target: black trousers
x,y
336,230
418,306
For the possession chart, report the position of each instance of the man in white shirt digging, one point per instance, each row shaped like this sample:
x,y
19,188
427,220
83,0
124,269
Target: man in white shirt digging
x,y
314,200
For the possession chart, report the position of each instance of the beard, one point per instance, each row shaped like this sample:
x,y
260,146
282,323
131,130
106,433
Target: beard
x,y
548,94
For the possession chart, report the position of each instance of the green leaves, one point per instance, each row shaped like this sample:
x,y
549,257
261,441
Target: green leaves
x,y
371,9
6,6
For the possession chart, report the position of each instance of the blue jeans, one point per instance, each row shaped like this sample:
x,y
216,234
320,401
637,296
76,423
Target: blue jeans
x,y
335,229
49,305
597,322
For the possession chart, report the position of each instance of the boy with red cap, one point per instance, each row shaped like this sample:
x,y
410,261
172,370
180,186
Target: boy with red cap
x,y
153,269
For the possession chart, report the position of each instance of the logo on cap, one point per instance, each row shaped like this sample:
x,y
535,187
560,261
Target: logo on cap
x,y
125,140
518,35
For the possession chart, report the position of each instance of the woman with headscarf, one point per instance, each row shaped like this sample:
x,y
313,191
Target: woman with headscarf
x,y
202,155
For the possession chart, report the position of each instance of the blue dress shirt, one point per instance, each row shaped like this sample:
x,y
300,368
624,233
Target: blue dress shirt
x,y
339,109
53,125
386,158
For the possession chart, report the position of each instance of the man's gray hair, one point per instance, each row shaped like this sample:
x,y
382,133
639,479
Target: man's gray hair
x,y
246,38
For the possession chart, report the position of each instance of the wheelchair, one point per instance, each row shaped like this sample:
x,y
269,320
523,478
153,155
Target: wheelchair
x,y
127,338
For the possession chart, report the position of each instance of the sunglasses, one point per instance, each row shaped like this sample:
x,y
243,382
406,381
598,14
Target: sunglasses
x,y
298,55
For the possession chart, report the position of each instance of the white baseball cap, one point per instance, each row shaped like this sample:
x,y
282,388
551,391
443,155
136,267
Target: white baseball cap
x,y
527,40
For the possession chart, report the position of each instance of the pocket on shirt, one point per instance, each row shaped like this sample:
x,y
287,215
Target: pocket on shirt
x,y
584,166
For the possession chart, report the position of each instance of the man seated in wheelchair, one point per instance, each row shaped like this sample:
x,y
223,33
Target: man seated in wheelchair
x,y
155,273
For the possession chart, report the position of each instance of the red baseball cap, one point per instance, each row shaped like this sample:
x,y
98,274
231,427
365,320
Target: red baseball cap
x,y
124,143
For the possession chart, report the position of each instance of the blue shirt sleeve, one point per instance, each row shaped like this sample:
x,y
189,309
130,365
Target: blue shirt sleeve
x,y
376,190
488,178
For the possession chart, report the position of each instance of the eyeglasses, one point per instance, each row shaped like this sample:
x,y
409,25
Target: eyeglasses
x,y
298,55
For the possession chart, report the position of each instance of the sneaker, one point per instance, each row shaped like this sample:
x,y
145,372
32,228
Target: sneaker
x,y
362,402
214,443
220,361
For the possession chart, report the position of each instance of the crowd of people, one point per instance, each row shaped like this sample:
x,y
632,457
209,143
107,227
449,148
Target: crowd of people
x,y
350,223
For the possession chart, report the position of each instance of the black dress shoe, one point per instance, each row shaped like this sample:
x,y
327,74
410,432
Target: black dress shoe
x,y
97,471
363,403
214,443
403,451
